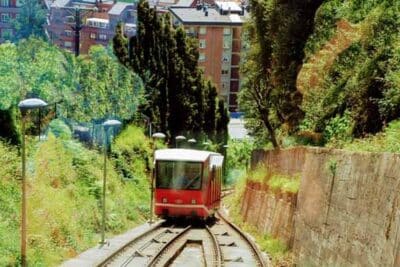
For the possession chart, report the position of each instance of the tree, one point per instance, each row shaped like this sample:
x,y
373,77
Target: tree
x,y
166,60
276,34
31,20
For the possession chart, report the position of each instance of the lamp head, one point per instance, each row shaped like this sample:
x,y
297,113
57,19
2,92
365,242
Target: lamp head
x,y
31,103
180,138
111,123
192,141
158,135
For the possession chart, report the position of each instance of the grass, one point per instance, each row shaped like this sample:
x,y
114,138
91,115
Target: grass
x,y
386,141
275,181
64,198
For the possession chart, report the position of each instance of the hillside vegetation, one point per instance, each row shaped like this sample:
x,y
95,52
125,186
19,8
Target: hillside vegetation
x,y
351,74
335,79
64,195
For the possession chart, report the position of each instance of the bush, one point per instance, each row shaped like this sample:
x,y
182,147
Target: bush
x,y
60,129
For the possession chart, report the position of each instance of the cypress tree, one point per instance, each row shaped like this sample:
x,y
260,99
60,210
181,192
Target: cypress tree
x,y
178,99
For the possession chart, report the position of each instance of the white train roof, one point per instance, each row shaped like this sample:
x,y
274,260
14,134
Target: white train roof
x,y
179,154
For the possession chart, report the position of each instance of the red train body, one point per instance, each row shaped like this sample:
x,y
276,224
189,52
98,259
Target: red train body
x,y
188,183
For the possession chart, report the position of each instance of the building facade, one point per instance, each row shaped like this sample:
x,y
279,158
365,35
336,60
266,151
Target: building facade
x,y
97,24
218,31
9,10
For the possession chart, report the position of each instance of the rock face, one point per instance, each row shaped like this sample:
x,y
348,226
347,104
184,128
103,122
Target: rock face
x,y
346,213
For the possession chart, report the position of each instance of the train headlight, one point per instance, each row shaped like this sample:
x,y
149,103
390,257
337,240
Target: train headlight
x,y
164,200
194,201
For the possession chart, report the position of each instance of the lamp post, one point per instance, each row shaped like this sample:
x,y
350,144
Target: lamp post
x,y
24,106
178,139
192,141
154,136
106,125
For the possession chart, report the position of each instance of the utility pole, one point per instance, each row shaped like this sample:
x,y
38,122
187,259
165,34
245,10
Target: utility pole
x,y
78,13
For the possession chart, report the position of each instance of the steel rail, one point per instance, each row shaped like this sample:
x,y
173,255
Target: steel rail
x,y
157,226
156,257
217,248
253,246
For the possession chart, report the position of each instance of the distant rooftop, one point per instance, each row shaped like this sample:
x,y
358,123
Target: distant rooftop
x,y
118,8
197,17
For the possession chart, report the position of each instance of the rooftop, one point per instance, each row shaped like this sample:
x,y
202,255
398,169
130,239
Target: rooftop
x,y
118,8
187,15
178,154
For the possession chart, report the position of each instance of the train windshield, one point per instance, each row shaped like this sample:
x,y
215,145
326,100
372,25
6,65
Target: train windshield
x,y
179,175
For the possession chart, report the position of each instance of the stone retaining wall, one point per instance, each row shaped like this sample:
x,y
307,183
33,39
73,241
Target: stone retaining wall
x,y
347,211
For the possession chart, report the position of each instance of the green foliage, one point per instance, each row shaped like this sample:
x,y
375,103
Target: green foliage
x,y
386,141
338,129
31,20
10,199
133,152
237,159
360,92
65,183
179,100
88,88
284,183
258,174
276,34
60,129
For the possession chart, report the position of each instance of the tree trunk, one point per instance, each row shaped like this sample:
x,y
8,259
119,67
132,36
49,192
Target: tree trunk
x,y
271,131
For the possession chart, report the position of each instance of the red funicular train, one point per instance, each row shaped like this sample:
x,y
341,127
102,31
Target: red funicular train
x,y
188,183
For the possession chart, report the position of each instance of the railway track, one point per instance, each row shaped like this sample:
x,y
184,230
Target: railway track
x,y
217,243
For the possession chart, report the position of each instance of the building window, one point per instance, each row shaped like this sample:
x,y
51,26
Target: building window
x,y
202,30
102,36
5,3
5,17
225,58
224,72
69,19
227,31
202,43
227,45
92,35
68,33
67,44
202,57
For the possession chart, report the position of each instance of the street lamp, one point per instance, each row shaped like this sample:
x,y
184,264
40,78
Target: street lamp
x,y
178,139
106,125
192,141
24,106
154,136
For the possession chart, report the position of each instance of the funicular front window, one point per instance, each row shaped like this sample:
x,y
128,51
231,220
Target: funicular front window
x,y
179,175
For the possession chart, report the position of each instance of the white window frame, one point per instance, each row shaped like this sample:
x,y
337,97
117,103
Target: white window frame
x,y
102,36
5,17
68,33
202,43
68,44
202,57
227,31
202,30
93,35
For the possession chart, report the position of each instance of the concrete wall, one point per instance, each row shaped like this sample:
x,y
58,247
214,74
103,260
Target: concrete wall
x,y
347,211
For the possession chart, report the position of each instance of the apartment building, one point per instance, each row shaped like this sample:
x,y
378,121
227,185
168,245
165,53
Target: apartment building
x,y
218,31
98,20
9,10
